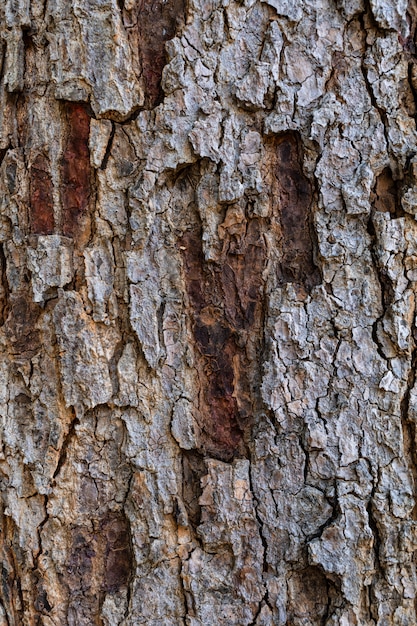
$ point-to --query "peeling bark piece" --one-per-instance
(75, 172)
(51, 264)
(157, 22)
(14, 63)
(41, 201)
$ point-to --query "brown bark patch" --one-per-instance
(309, 595)
(155, 22)
(226, 304)
(4, 287)
(11, 560)
(100, 562)
(20, 326)
(76, 172)
(41, 200)
(292, 198)
(386, 193)
(118, 552)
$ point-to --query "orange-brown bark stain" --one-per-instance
(76, 172)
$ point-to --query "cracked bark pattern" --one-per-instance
(208, 260)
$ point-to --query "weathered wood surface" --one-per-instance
(208, 272)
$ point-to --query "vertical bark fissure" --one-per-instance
(385, 289)
(108, 147)
(408, 425)
(65, 444)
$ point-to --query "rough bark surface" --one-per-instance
(208, 264)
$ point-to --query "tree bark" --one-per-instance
(208, 268)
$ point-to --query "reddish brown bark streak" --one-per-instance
(154, 22)
(76, 171)
(41, 200)
(227, 300)
(158, 21)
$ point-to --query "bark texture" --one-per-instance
(208, 267)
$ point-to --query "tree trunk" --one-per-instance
(208, 260)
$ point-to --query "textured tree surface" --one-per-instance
(208, 267)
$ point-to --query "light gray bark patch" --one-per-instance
(84, 367)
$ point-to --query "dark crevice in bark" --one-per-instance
(409, 425)
(64, 448)
(409, 47)
(411, 75)
(4, 288)
(306, 453)
(3, 153)
(333, 517)
(184, 593)
(386, 194)
(6, 617)
(193, 469)
(265, 566)
(373, 525)
(382, 113)
(387, 290)
(370, 18)
(40, 602)
(109, 147)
